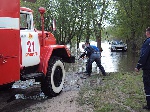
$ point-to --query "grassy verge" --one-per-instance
(118, 92)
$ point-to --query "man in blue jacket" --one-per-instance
(144, 64)
(93, 53)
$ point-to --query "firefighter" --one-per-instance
(144, 64)
(93, 54)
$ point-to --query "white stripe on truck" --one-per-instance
(9, 23)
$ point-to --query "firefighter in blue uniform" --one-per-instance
(93, 54)
(144, 64)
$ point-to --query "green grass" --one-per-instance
(118, 92)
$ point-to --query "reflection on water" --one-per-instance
(28, 89)
(111, 61)
(118, 61)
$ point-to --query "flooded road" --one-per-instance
(112, 61)
(118, 61)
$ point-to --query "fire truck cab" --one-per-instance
(27, 53)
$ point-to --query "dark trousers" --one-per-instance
(95, 57)
(146, 81)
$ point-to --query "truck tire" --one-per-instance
(52, 85)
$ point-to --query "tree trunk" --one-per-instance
(98, 40)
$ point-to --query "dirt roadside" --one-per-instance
(65, 102)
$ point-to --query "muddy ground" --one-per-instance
(29, 98)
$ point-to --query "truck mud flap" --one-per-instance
(70, 59)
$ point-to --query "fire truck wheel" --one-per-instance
(52, 85)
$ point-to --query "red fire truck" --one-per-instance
(27, 53)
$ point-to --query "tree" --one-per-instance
(131, 20)
(101, 14)
(76, 20)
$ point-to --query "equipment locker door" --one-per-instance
(9, 41)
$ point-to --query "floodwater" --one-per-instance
(118, 61)
(112, 61)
